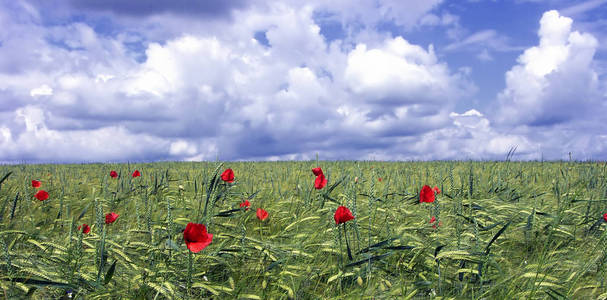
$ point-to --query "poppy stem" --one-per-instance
(101, 255)
(190, 271)
(261, 231)
(341, 249)
(347, 244)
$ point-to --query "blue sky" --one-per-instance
(84, 81)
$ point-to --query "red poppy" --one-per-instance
(114, 174)
(342, 215)
(320, 182)
(36, 183)
(379, 179)
(246, 204)
(317, 171)
(426, 194)
(432, 220)
(111, 217)
(436, 190)
(136, 173)
(605, 217)
(41, 195)
(262, 214)
(227, 175)
(196, 237)
(85, 228)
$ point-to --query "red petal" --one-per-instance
(111, 217)
(195, 232)
(228, 175)
(262, 214)
(317, 171)
(342, 215)
(426, 194)
(41, 195)
(320, 182)
(198, 246)
(436, 190)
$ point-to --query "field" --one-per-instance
(501, 230)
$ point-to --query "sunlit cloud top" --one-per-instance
(87, 81)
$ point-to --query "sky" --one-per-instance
(140, 80)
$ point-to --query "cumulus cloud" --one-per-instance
(553, 82)
(553, 95)
(70, 92)
(196, 96)
(37, 143)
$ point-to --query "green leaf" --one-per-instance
(5, 177)
(370, 259)
(497, 235)
(376, 245)
(83, 212)
(110, 273)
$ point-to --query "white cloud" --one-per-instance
(582, 7)
(398, 72)
(43, 90)
(182, 148)
(553, 95)
(554, 82)
(212, 90)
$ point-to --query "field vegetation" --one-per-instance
(494, 230)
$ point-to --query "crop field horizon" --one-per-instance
(304, 230)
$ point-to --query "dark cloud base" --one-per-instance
(208, 8)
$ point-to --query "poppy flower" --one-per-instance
(136, 173)
(320, 182)
(426, 194)
(432, 220)
(196, 237)
(36, 183)
(317, 171)
(436, 190)
(228, 175)
(342, 215)
(85, 228)
(114, 174)
(41, 195)
(379, 179)
(605, 217)
(111, 217)
(246, 204)
(262, 214)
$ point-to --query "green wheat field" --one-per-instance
(502, 230)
